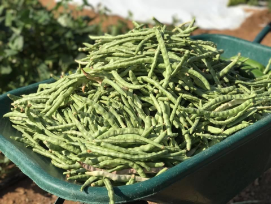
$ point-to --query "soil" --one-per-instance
(249, 29)
(26, 191)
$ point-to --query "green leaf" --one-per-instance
(19, 43)
(80, 56)
(9, 18)
(65, 20)
(2, 19)
(5, 70)
(36, 41)
(9, 52)
(85, 3)
(16, 42)
(17, 31)
(1, 9)
(43, 72)
(65, 62)
(43, 17)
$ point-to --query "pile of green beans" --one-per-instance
(138, 104)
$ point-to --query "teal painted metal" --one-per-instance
(213, 176)
(262, 34)
(232, 46)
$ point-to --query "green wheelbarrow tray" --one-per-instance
(212, 176)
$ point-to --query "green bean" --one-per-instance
(149, 147)
(131, 180)
(166, 117)
(124, 83)
(229, 120)
(48, 154)
(88, 182)
(157, 22)
(162, 171)
(229, 104)
(163, 48)
(131, 164)
(110, 190)
(213, 130)
(203, 56)
(133, 118)
(115, 86)
(144, 157)
(177, 68)
(13, 97)
(122, 64)
(79, 126)
(119, 149)
(235, 128)
(65, 126)
(56, 94)
(188, 141)
(139, 103)
(27, 142)
(265, 71)
(138, 137)
(53, 147)
(244, 89)
(121, 36)
(148, 37)
(194, 126)
(79, 177)
(100, 110)
(141, 114)
(59, 101)
(114, 177)
(212, 71)
(223, 114)
(58, 142)
(209, 136)
(29, 137)
(64, 158)
(242, 116)
(118, 117)
(121, 41)
(15, 114)
(73, 132)
(147, 131)
(156, 84)
(154, 63)
(98, 183)
(75, 171)
(224, 98)
(116, 140)
(229, 67)
(120, 131)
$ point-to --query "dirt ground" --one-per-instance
(249, 29)
(27, 192)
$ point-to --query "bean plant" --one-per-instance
(249, 2)
(138, 104)
(35, 41)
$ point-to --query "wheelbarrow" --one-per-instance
(213, 176)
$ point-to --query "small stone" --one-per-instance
(256, 182)
(21, 191)
(243, 194)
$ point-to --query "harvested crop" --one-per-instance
(138, 104)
